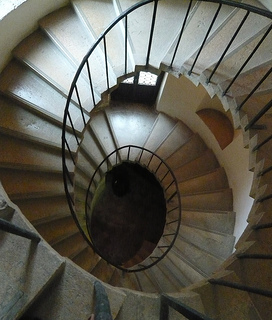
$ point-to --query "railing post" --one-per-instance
(11, 228)
(102, 306)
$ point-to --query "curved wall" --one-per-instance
(21, 21)
(181, 99)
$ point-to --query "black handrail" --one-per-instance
(147, 263)
(188, 312)
(69, 123)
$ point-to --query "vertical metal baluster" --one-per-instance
(228, 46)
(141, 154)
(128, 153)
(247, 60)
(80, 105)
(70, 152)
(181, 33)
(73, 128)
(151, 32)
(106, 62)
(206, 36)
(254, 89)
(126, 39)
(259, 115)
(91, 82)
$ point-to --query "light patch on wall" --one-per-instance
(6, 6)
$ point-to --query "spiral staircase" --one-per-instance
(54, 279)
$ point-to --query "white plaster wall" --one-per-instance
(21, 21)
(180, 98)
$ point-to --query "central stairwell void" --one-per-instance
(152, 206)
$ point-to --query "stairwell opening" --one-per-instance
(127, 215)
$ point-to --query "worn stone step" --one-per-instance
(74, 40)
(26, 86)
(189, 274)
(135, 119)
(103, 271)
(29, 154)
(52, 231)
(215, 298)
(27, 270)
(214, 200)
(86, 259)
(203, 164)
(214, 180)
(202, 14)
(230, 66)
(162, 126)
(164, 32)
(203, 262)
(16, 119)
(124, 280)
(218, 221)
(220, 40)
(219, 245)
(36, 209)
(191, 150)
(101, 128)
(25, 182)
(97, 16)
(41, 55)
(74, 285)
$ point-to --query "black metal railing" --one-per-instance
(213, 75)
(165, 177)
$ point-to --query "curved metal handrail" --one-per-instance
(148, 160)
(75, 124)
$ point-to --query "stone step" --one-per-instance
(86, 259)
(214, 200)
(18, 121)
(125, 280)
(161, 128)
(221, 222)
(219, 245)
(221, 39)
(215, 298)
(101, 128)
(191, 150)
(53, 231)
(103, 271)
(146, 283)
(42, 56)
(160, 275)
(215, 180)
(27, 86)
(165, 31)
(176, 138)
(29, 154)
(36, 209)
(229, 67)
(135, 119)
(201, 15)
(71, 246)
(97, 16)
(201, 165)
(73, 38)
(188, 298)
(189, 273)
(198, 259)
(26, 182)
(74, 285)
(27, 270)
(246, 82)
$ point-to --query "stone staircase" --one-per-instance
(34, 87)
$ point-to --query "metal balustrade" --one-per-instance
(77, 124)
(152, 162)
